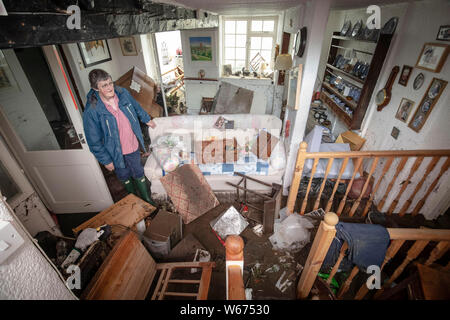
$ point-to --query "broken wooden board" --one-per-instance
(189, 191)
(185, 249)
(126, 274)
(121, 215)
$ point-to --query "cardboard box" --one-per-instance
(264, 144)
(164, 232)
(217, 151)
(143, 89)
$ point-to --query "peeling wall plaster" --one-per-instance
(27, 274)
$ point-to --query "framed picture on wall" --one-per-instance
(128, 46)
(200, 48)
(432, 56)
(94, 52)
(404, 75)
(429, 99)
(294, 87)
(443, 33)
(404, 109)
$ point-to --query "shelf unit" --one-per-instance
(377, 57)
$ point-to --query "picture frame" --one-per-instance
(94, 52)
(432, 57)
(425, 107)
(294, 87)
(201, 48)
(128, 46)
(404, 109)
(404, 75)
(443, 33)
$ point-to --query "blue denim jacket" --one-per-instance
(367, 245)
(101, 129)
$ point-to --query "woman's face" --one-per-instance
(106, 88)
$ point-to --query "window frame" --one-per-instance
(273, 34)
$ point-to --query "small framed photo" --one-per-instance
(432, 56)
(94, 52)
(404, 76)
(128, 46)
(429, 99)
(404, 109)
(444, 33)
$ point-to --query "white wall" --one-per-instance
(117, 66)
(313, 15)
(27, 274)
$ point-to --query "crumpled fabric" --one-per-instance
(87, 237)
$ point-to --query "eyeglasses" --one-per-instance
(106, 85)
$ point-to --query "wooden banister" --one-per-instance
(419, 234)
(319, 249)
(297, 177)
(234, 249)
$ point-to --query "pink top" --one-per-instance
(127, 137)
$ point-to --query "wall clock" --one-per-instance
(384, 95)
(300, 42)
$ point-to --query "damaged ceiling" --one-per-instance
(31, 23)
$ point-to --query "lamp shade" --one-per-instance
(283, 62)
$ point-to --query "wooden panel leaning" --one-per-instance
(234, 249)
(322, 241)
(299, 164)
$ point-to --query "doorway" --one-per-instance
(42, 125)
(170, 58)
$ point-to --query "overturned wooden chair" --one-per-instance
(129, 272)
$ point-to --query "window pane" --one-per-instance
(241, 27)
(240, 53)
(229, 53)
(257, 25)
(241, 41)
(268, 25)
(266, 55)
(240, 64)
(230, 40)
(230, 26)
(266, 43)
(255, 43)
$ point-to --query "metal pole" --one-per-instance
(155, 49)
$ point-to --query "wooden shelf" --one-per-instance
(353, 39)
(325, 97)
(350, 103)
(355, 78)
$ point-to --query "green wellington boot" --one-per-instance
(143, 191)
(129, 186)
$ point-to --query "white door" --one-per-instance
(42, 123)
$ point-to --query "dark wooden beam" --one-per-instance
(45, 23)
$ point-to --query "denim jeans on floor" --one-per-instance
(133, 167)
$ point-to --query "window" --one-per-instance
(246, 39)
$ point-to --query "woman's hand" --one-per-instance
(110, 166)
(151, 124)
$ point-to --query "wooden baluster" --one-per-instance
(336, 185)
(413, 170)
(342, 203)
(357, 202)
(390, 253)
(322, 241)
(413, 252)
(437, 253)
(327, 171)
(347, 283)
(400, 167)
(299, 164)
(430, 168)
(432, 186)
(313, 171)
(234, 251)
(338, 262)
(385, 169)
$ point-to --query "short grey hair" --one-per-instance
(97, 75)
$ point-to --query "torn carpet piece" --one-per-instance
(189, 191)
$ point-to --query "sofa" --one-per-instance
(195, 128)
